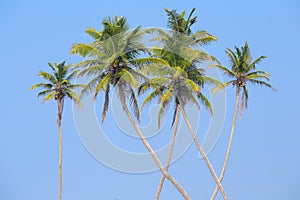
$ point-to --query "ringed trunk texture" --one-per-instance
(59, 119)
(152, 153)
(236, 108)
(170, 152)
(203, 154)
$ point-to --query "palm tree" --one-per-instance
(114, 54)
(180, 81)
(243, 71)
(58, 87)
(179, 41)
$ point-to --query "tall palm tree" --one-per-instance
(179, 42)
(243, 71)
(58, 87)
(114, 55)
(180, 81)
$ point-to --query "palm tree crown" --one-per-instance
(181, 25)
(243, 70)
(112, 57)
(175, 84)
(179, 76)
(59, 83)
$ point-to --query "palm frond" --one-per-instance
(154, 94)
(172, 19)
(93, 33)
(259, 82)
(203, 38)
(48, 77)
(72, 75)
(44, 92)
(75, 86)
(52, 67)
(205, 102)
(192, 85)
(90, 85)
(49, 96)
(190, 21)
(258, 72)
(135, 105)
(106, 102)
(87, 63)
(209, 81)
(222, 86)
(92, 70)
(84, 50)
(165, 101)
(257, 76)
(214, 59)
(128, 77)
(142, 62)
(189, 97)
(102, 85)
(244, 101)
(256, 62)
(71, 94)
(177, 106)
(41, 85)
(227, 71)
(233, 58)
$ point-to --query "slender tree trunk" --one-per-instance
(170, 152)
(152, 153)
(236, 108)
(203, 154)
(59, 118)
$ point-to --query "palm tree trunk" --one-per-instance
(59, 118)
(211, 169)
(152, 153)
(236, 107)
(170, 152)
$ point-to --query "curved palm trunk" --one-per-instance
(59, 119)
(236, 107)
(203, 154)
(170, 152)
(147, 145)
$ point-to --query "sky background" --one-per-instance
(265, 158)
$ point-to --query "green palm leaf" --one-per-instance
(94, 33)
(85, 50)
(102, 85)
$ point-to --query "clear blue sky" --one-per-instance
(265, 158)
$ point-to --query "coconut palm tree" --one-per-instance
(179, 81)
(58, 87)
(115, 54)
(243, 71)
(178, 42)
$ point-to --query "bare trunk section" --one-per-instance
(170, 152)
(236, 107)
(59, 119)
(211, 169)
(152, 153)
